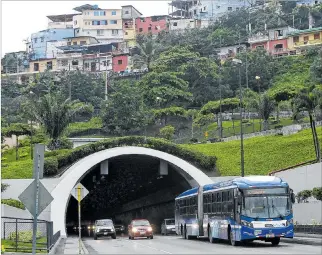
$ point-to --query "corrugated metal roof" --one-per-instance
(306, 31)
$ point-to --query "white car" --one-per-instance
(168, 227)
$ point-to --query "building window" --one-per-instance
(96, 13)
(82, 42)
(102, 13)
(106, 63)
(74, 43)
(306, 38)
(69, 43)
(75, 62)
(36, 67)
(279, 32)
(230, 8)
(42, 39)
(126, 12)
(126, 33)
(119, 62)
(317, 36)
(103, 22)
(113, 22)
(86, 65)
(49, 65)
(175, 24)
(195, 12)
(113, 12)
(149, 28)
(100, 31)
(204, 8)
(115, 32)
(140, 29)
(296, 39)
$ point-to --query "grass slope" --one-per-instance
(262, 154)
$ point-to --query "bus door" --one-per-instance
(200, 210)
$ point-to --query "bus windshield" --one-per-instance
(266, 206)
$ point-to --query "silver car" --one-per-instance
(168, 227)
(104, 228)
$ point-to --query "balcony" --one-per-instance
(60, 25)
(68, 55)
(258, 38)
(308, 43)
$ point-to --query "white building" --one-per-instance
(52, 50)
(60, 21)
(104, 24)
(230, 51)
(181, 24)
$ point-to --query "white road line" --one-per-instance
(154, 248)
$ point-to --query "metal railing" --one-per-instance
(17, 235)
(308, 229)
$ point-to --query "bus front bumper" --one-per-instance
(266, 233)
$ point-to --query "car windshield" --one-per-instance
(104, 223)
(169, 222)
(141, 223)
(266, 206)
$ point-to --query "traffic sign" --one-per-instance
(79, 192)
(27, 197)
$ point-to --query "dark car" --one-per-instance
(140, 228)
(104, 228)
(119, 227)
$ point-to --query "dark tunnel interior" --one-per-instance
(131, 189)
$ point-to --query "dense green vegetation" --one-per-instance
(13, 203)
(262, 154)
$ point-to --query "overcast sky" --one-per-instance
(22, 18)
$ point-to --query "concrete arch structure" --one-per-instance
(74, 174)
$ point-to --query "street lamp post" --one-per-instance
(259, 92)
(238, 62)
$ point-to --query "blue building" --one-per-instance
(36, 47)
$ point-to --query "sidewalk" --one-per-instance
(71, 246)
(302, 238)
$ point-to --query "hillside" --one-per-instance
(262, 154)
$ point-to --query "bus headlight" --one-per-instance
(246, 223)
(289, 222)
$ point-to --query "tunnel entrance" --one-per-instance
(133, 188)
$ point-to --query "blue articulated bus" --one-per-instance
(240, 210)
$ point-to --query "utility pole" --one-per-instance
(106, 79)
(220, 98)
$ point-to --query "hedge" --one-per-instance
(24, 236)
(13, 203)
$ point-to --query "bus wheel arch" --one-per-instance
(230, 237)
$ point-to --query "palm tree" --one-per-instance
(266, 107)
(309, 100)
(55, 113)
(147, 53)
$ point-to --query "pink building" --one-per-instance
(153, 24)
(120, 62)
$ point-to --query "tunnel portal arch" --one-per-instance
(74, 174)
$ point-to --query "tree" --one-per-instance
(147, 53)
(164, 113)
(125, 110)
(316, 68)
(17, 129)
(317, 193)
(54, 112)
(167, 132)
(162, 90)
(303, 195)
(266, 107)
(308, 100)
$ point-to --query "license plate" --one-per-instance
(142, 233)
(105, 234)
(270, 235)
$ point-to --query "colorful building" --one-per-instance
(81, 40)
(36, 45)
(104, 24)
(129, 14)
(153, 24)
(302, 39)
(41, 65)
(120, 63)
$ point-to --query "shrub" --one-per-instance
(23, 236)
(279, 126)
(13, 203)
(194, 140)
(50, 166)
(303, 195)
(167, 132)
(18, 170)
(245, 121)
(317, 193)
(4, 186)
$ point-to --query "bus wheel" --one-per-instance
(275, 241)
(211, 239)
(231, 237)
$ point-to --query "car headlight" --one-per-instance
(149, 229)
(168, 227)
(134, 229)
(246, 223)
(195, 225)
(89, 227)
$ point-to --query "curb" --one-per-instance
(84, 248)
(53, 250)
(318, 242)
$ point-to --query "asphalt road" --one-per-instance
(177, 245)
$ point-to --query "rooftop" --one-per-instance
(316, 29)
(133, 8)
(86, 7)
(84, 36)
(61, 18)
